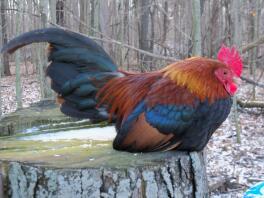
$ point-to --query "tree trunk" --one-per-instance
(46, 91)
(4, 37)
(1, 66)
(52, 11)
(237, 41)
(60, 19)
(228, 22)
(213, 32)
(254, 24)
(144, 33)
(92, 21)
(18, 61)
(165, 27)
(197, 47)
(84, 16)
(95, 17)
(104, 23)
(170, 174)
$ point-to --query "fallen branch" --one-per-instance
(218, 185)
(255, 179)
(253, 44)
(252, 82)
(251, 104)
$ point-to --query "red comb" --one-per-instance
(231, 57)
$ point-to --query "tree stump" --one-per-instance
(42, 113)
(169, 174)
(34, 166)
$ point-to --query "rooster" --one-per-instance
(175, 108)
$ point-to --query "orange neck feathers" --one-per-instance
(197, 75)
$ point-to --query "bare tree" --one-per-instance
(84, 15)
(254, 16)
(165, 26)
(144, 31)
(237, 30)
(52, 11)
(17, 58)
(4, 26)
(60, 19)
(197, 47)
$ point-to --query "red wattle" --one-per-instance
(233, 88)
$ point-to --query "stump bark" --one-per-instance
(170, 174)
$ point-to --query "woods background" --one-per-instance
(145, 35)
(140, 35)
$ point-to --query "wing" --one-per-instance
(170, 118)
(158, 122)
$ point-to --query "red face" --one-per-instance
(226, 77)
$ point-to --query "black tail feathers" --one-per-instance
(78, 68)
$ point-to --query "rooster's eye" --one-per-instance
(225, 72)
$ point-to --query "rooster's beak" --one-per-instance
(237, 80)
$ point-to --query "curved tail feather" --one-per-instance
(78, 68)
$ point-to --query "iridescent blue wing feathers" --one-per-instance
(170, 118)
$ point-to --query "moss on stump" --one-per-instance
(80, 168)
(83, 167)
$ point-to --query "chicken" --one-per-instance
(176, 108)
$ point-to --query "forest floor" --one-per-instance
(232, 167)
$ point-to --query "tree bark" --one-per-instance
(212, 30)
(197, 47)
(92, 21)
(52, 11)
(4, 37)
(165, 26)
(144, 30)
(18, 60)
(84, 16)
(228, 22)
(60, 19)
(171, 174)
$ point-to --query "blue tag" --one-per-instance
(256, 191)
